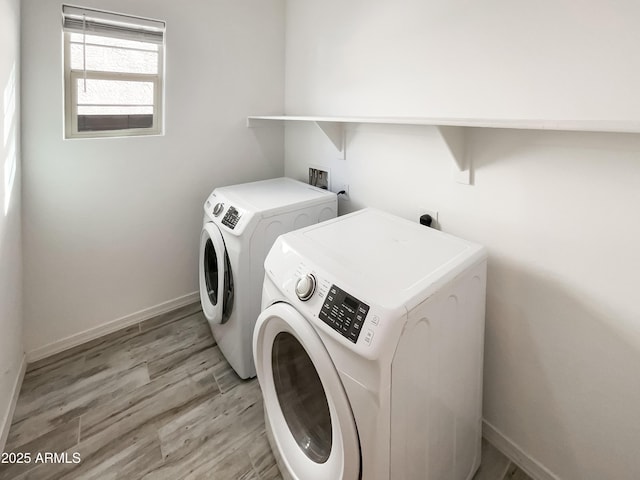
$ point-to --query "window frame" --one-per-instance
(71, 96)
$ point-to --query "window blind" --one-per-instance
(96, 22)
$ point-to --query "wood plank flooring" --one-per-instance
(153, 401)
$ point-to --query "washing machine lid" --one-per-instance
(274, 196)
(388, 259)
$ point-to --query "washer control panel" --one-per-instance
(231, 218)
(344, 313)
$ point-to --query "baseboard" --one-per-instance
(6, 421)
(531, 467)
(110, 327)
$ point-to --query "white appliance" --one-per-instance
(241, 222)
(369, 351)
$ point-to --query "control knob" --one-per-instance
(217, 210)
(305, 286)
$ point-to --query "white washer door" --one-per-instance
(212, 268)
(308, 412)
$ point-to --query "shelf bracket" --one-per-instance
(335, 132)
(455, 138)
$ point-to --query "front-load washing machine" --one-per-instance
(241, 222)
(369, 351)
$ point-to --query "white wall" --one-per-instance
(11, 348)
(112, 225)
(494, 58)
(557, 210)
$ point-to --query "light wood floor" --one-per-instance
(154, 401)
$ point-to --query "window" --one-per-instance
(113, 74)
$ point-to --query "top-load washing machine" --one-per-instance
(369, 351)
(241, 222)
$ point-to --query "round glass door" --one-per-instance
(211, 272)
(302, 398)
(216, 278)
(308, 415)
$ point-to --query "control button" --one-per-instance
(305, 287)
(217, 210)
(368, 336)
(375, 320)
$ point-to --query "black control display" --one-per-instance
(231, 218)
(343, 313)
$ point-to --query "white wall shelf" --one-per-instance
(566, 125)
(452, 130)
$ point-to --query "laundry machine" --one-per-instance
(369, 351)
(241, 222)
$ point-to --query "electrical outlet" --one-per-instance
(435, 222)
(319, 178)
(342, 187)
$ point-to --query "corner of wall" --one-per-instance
(5, 426)
(528, 464)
